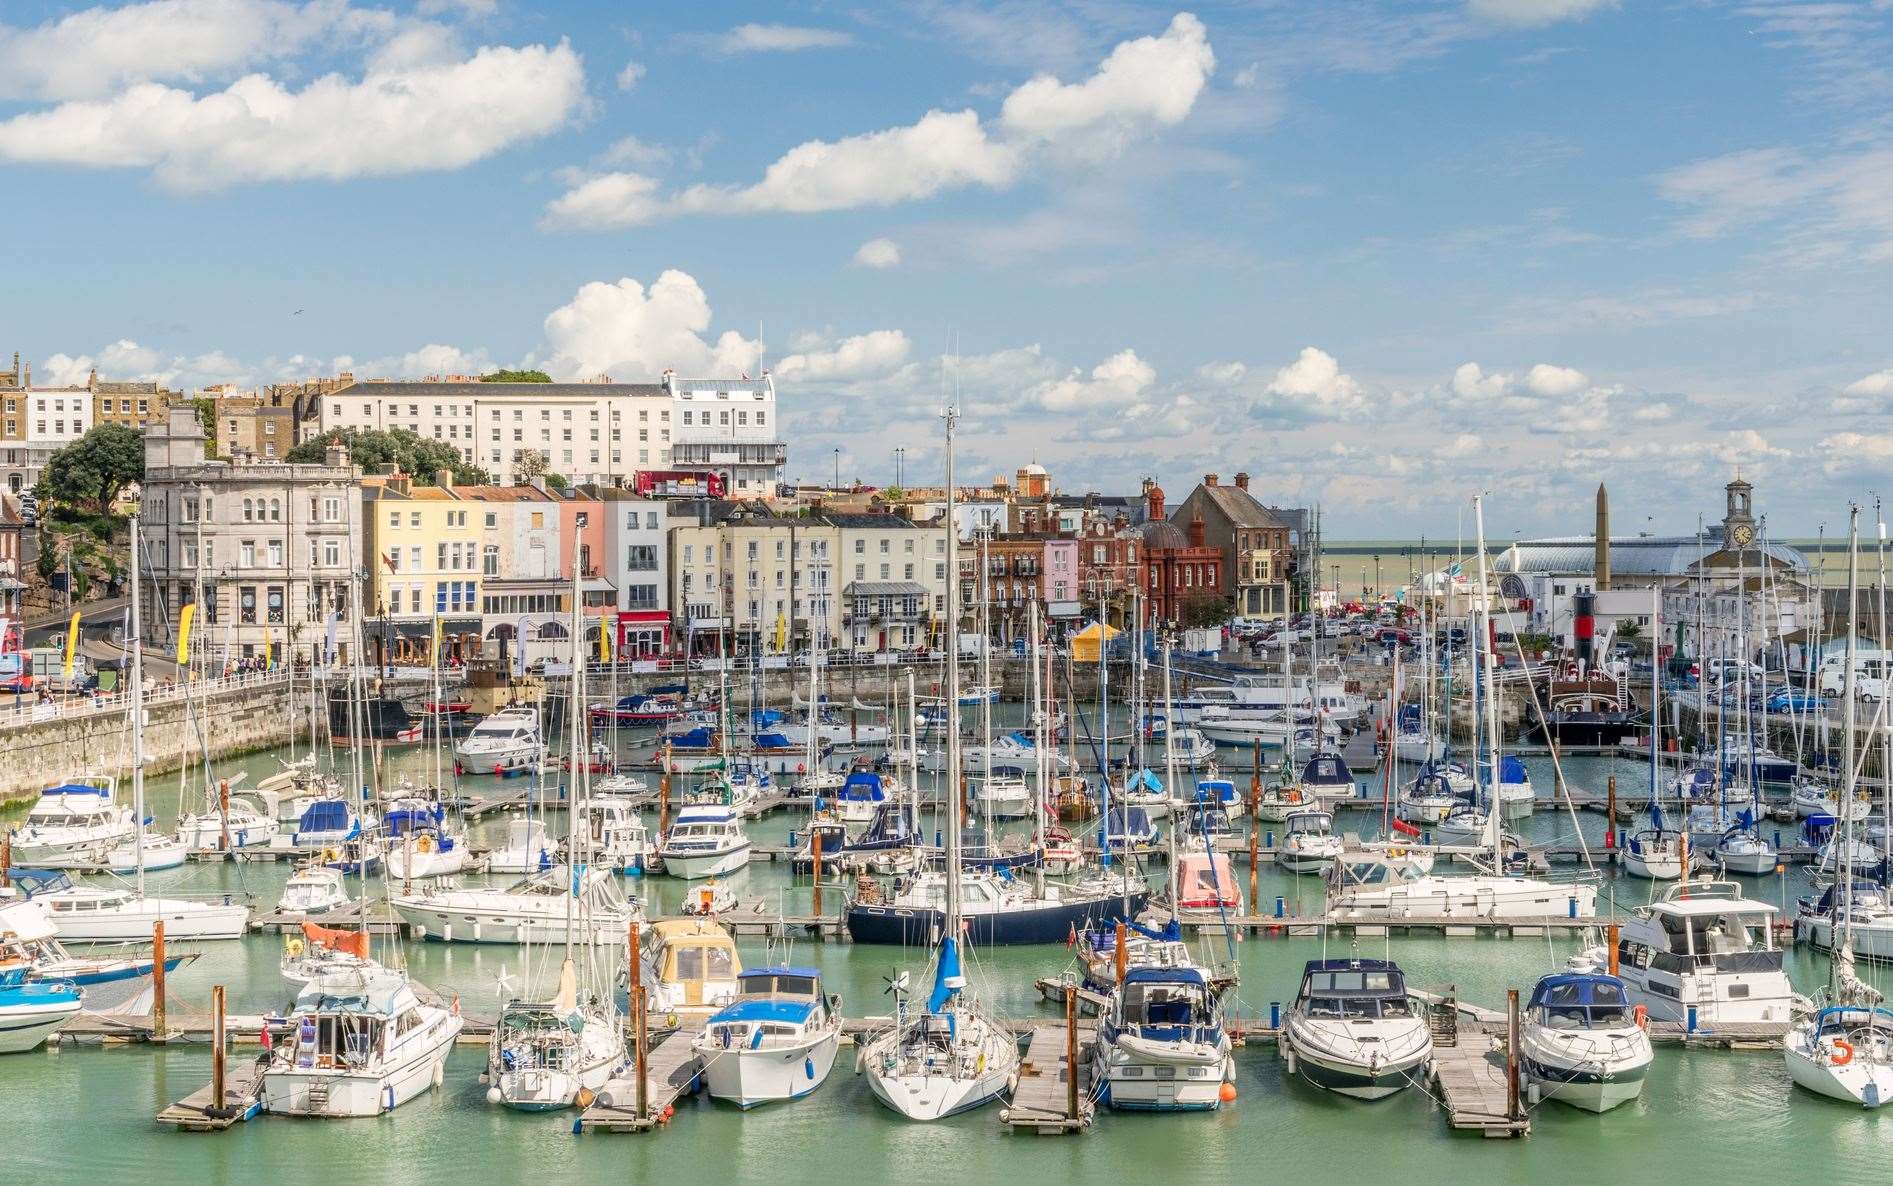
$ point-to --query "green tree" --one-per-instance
(90, 472)
(1199, 612)
(557, 481)
(207, 420)
(529, 464)
(405, 451)
(516, 377)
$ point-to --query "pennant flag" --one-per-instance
(266, 650)
(604, 641)
(782, 632)
(72, 642)
(328, 650)
(433, 645)
(184, 622)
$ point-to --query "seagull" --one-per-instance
(297, 313)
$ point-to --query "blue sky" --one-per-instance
(1381, 256)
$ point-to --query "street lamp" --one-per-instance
(837, 485)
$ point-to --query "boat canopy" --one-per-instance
(35, 882)
(1212, 876)
(1215, 790)
(863, 786)
(369, 991)
(699, 737)
(26, 922)
(1580, 988)
(78, 788)
(1433, 786)
(326, 815)
(1353, 977)
(791, 1012)
(1326, 770)
(1192, 976)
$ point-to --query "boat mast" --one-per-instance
(575, 760)
(1886, 735)
(985, 686)
(137, 716)
(1170, 778)
(952, 706)
(1039, 740)
(1843, 942)
(1488, 706)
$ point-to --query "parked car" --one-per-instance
(1794, 700)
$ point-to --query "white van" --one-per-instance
(1871, 671)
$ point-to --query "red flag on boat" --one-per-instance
(1401, 826)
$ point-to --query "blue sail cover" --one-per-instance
(1215, 790)
(1511, 770)
(947, 978)
(701, 737)
(771, 741)
(328, 815)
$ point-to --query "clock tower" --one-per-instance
(1738, 523)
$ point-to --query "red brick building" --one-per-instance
(1179, 566)
(1110, 565)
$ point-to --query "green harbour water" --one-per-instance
(78, 1114)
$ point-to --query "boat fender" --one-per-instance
(440, 1076)
(585, 1097)
(1843, 1052)
(454, 1008)
(1642, 1015)
(800, 768)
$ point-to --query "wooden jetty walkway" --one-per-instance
(671, 1072)
(1475, 1087)
(1051, 1095)
(242, 1099)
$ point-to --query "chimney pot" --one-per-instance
(1197, 531)
(444, 478)
(1209, 479)
(1242, 481)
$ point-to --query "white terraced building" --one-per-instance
(601, 433)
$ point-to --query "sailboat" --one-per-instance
(1370, 886)
(1845, 1051)
(951, 1056)
(551, 1054)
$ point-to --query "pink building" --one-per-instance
(1060, 585)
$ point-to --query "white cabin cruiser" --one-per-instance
(618, 838)
(360, 1044)
(1703, 955)
(74, 825)
(506, 742)
(530, 911)
(110, 914)
(775, 1041)
(1308, 843)
(690, 966)
(1162, 1045)
(245, 820)
(528, 848)
(1364, 885)
(705, 840)
(313, 891)
(1579, 1042)
(1354, 1030)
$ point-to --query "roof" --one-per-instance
(1234, 503)
(686, 928)
(1161, 533)
(1165, 976)
(522, 493)
(1350, 965)
(891, 522)
(1636, 555)
(883, 589)
(477, 390)
(782, 970)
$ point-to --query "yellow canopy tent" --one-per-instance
(1086, 643)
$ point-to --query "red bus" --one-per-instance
(679, 483)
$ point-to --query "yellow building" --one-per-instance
(423, 554)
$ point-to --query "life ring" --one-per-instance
(1396, 852)
(330, 856)
(800, 769)
(294, 948)
(424, 843)
(1642, 1015)
(1843, 1053)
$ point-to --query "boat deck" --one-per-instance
(670, 1073)
(1042, 1096)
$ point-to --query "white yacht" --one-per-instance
(152, 851)
(548, 1055)
(775, 1041)
(1369, 885)
(1580, 1044)
(245, 820)
(505, 742)
(528, 847)
(1844, 1052)
(1703, 954)
(616, 838)
(359, 1044)
(313, 891)
(110, 914)
(1354, 1030)
(74, 825)
(1308, 843)
(32, 1010)
(705, 840)
(1004, 795)
(419, 844)
(530, 911)
(1162, 1045)
(1657, 853)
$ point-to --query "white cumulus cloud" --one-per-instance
(630, 76)
(395, 119)
(1878, 383)
(1536, 12)
(1143, 85)
(1554, 382)
(877, 253)
(1315, 383)
(1116, 382)
(874, 353)
(627, 330)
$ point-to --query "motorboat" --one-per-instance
(32, 1010)
(1513, 786)
(289, 792)
(1354, 1030)
(861, 795)
(1206, 888)
(1015, 750)
(153, 851)
(1703, 955)
(1162, 1045)
(775, 1041)
(242, 820)
(1751, 758)
(74, 825)
(1580, 1044)
(708, 898)
(110, 914)
(1370, 885)
(1742, 850)
(312, 891)
(1003, 794)
(1868, 913)
(1308, 843)
(998, 911)
(533, 910)
(705, 840)
(620, 785)
(507, 742)
(616, 838)
(528, 847)
(1326, 775)
(113, 980)
(833, 729)
(359, 1044)
(638, 710)
(689, 967)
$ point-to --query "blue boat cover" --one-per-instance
(863, 786)
(1165, 976)
(792, 1012)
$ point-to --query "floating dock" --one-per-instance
(1043, 1098)
(671, 1072)
(242, 1099)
